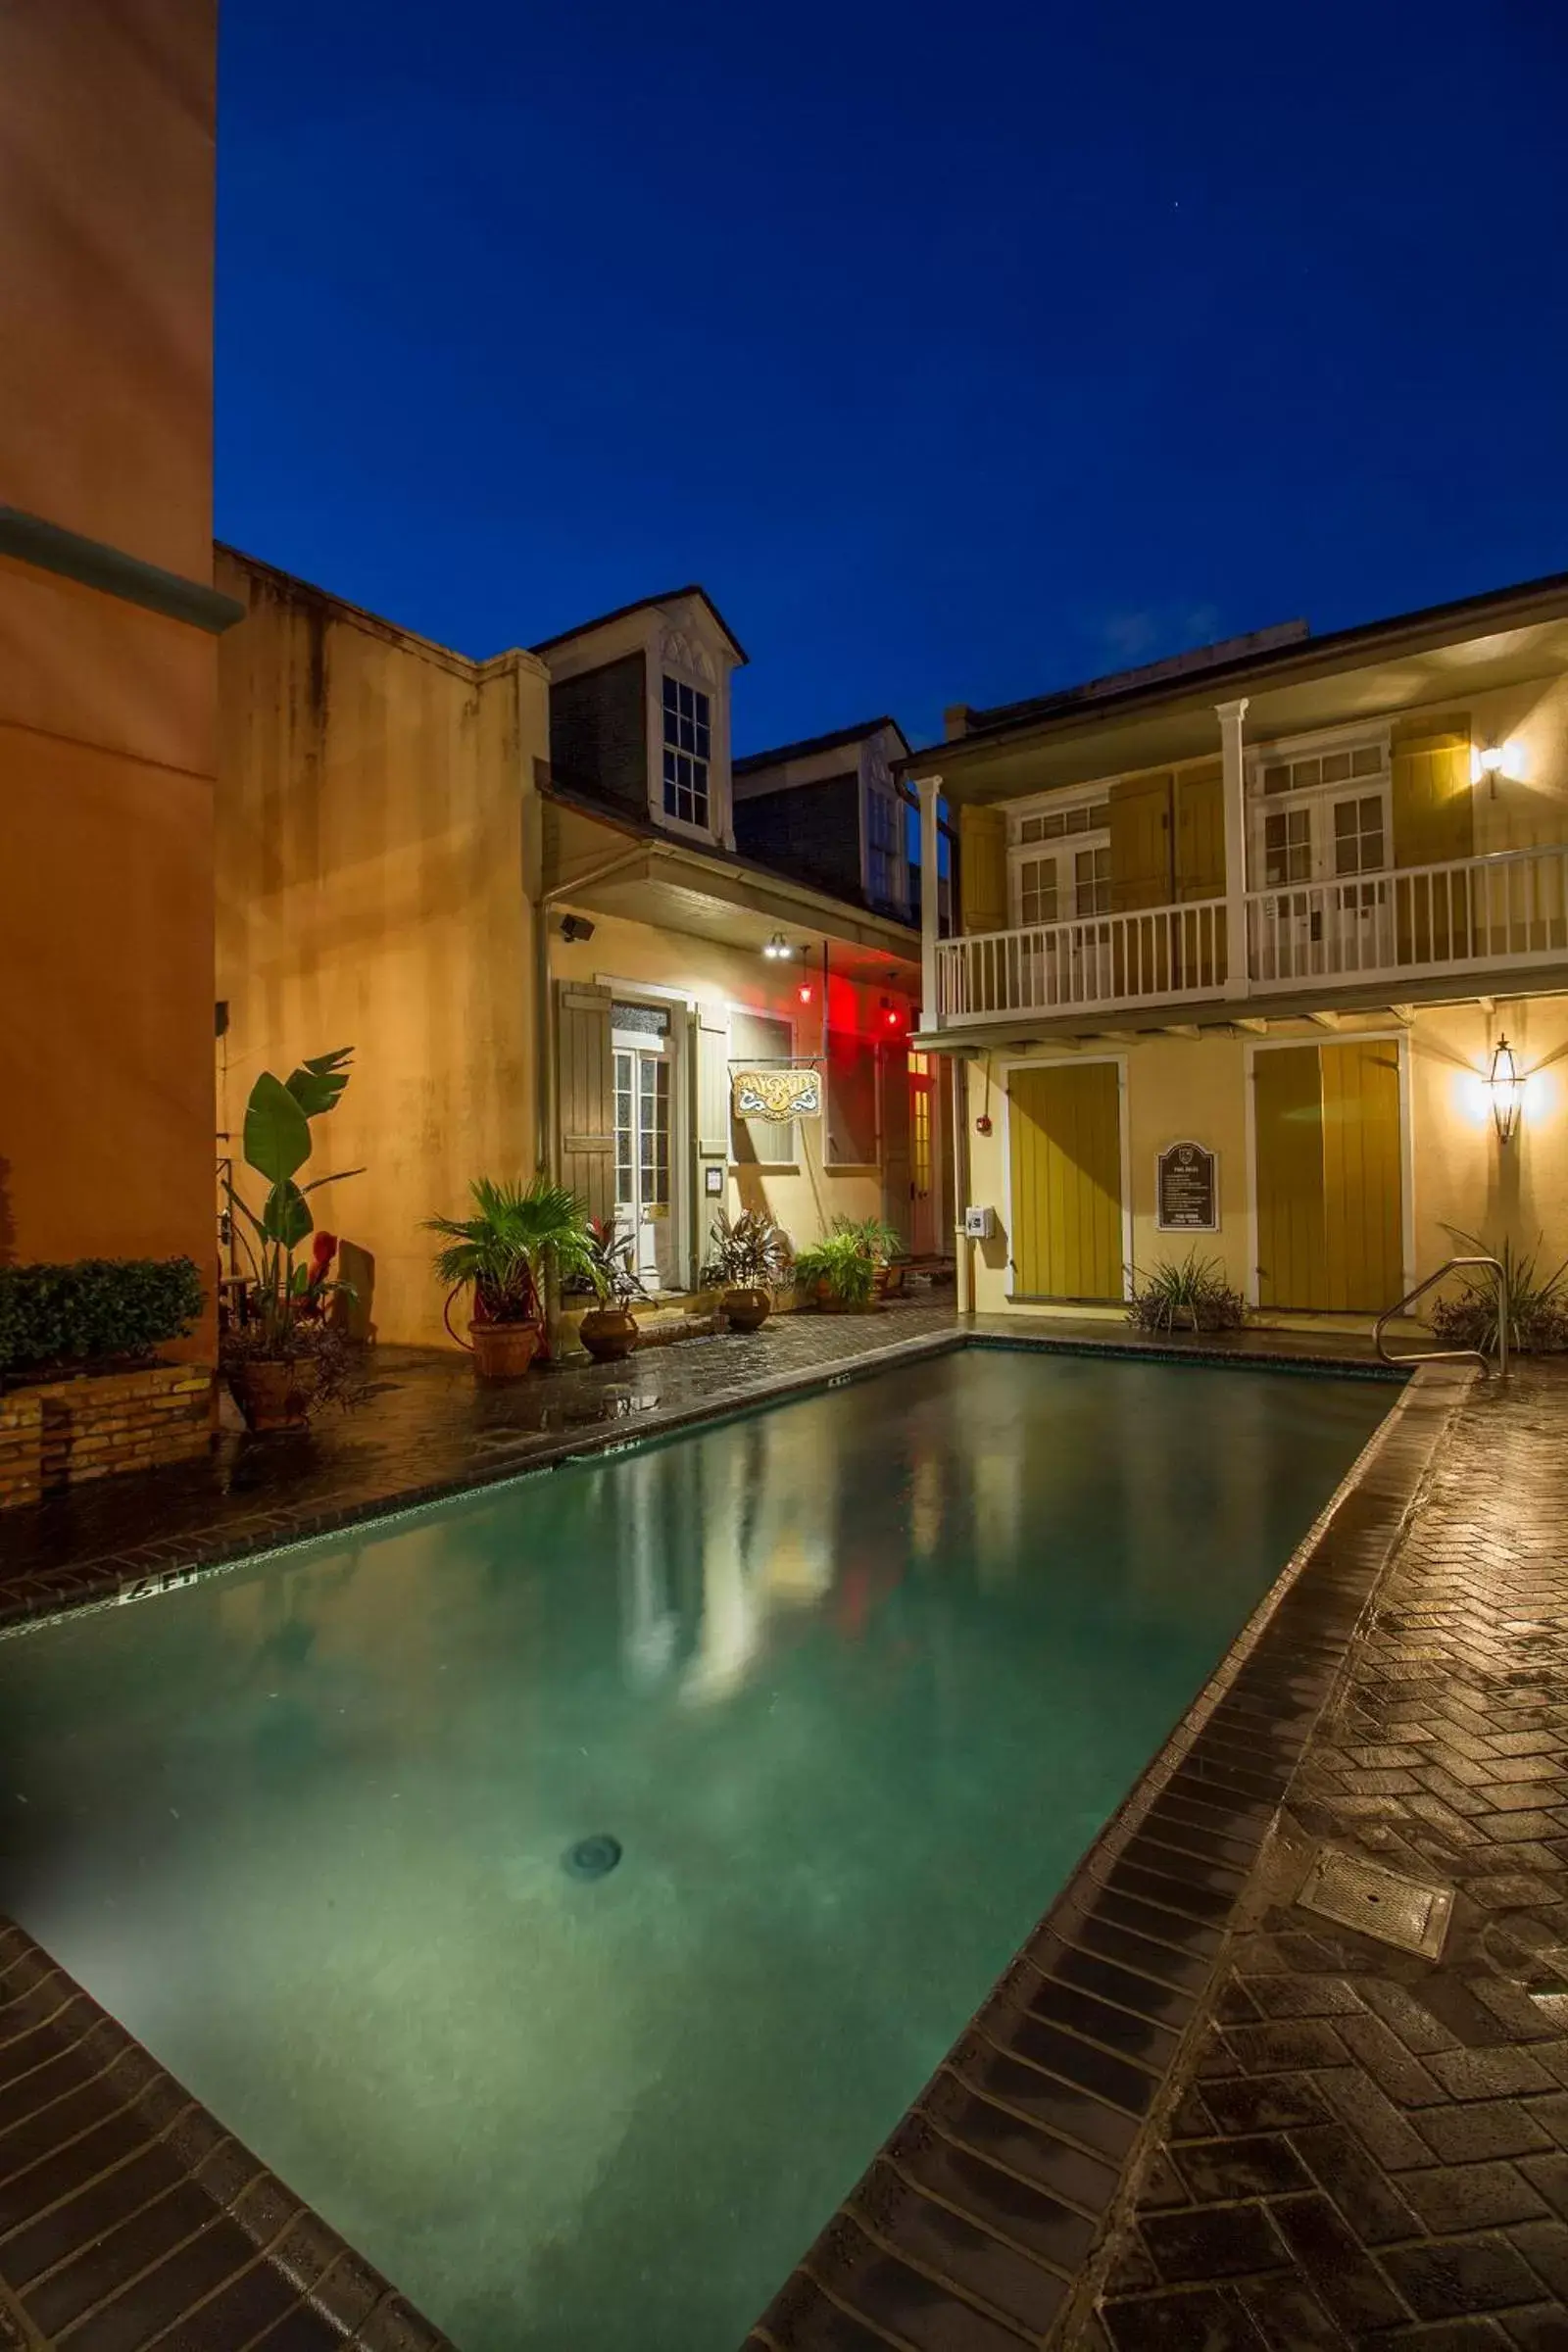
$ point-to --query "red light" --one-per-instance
(804, 992)
(893, 1019)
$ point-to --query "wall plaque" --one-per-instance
(1187, 1190)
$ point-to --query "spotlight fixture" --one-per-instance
(1506, 1090)
(575, 928)
(778, 948)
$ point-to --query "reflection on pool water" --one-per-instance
(852, 1681)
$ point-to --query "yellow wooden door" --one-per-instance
(1329, 1226)
(1288, 1115)
(1363, 1220)
(1065, 1128)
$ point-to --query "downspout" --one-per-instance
(962, 1246)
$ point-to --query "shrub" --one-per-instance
(875, 1238)
(97, 1310)
(1536, 1304)
(748, 1253)
(1189, 1292)
(841, 1262)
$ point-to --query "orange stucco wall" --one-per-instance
(106, 710)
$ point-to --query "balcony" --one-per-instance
(1476, 915)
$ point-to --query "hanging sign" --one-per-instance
(1187, 1190)
(779, 1093)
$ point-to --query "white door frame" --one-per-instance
(675, 1050)
(1399, 1038)
(1049, 1061)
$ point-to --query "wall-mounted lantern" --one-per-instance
(1507, 1089)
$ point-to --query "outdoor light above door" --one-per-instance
(1506, 1090)
(778, 946)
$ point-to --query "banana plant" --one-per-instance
(276, 1145)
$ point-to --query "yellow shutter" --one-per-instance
(1364, 1255)
(1288, 1113)
(1201, 833)
(1434, 812)
(1065, 1131)
(1140, 842)
(983, 870)
(1329, 1177)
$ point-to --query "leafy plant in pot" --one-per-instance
(280, 1353)
(840, 1273)
(609, 1331)
(503, 1253)
(880, 1244)
(1189, 1294)
(749, 1259)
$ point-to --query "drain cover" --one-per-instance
(1378, 1901)
(593, 1857)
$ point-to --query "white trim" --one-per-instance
(1052, 803)
(646, 988)
(1348, 735)
(1399, 1039)
(1072, 1061)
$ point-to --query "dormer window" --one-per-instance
(688, 739)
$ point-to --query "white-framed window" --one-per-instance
(1059, 863)
(688, 750)
(1320, 810)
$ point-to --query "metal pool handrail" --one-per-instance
(1450, 1356)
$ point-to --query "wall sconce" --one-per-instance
(1493, 760)
(777, 948)
(1506, 1090)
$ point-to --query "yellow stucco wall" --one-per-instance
(370, 893)
(1196, 1089)
(107, 711)
(803, 1202)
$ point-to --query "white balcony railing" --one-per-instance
(1473, 914)
(1154, 954)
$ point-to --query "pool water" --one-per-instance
(852, 1680)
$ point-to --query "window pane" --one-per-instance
(1053, 827)
(1336, 767)
(1368, 761)
(1276, 779)
(1347, 819)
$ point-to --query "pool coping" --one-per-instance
(280, 2245)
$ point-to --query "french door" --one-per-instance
(642, 1086)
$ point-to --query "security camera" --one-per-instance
(576, 926)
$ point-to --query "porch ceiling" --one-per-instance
(675, 889)
(1298, 696)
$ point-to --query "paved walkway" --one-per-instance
(1365, 2147)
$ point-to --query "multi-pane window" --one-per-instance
(653, 1135)
(1287, 847)
(1092, 881)
(881, 846)
(688, 740)
(1090, 816)
(1324, 767)
(1036, 891)
(1358, 835)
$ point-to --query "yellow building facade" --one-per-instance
(534, 975)
(1245, 939)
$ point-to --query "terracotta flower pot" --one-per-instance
(881, 1278)
(274, 1395)
(747, 1309)
(609, 1333)
(502, 1350)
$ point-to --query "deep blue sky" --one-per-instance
(959, 353)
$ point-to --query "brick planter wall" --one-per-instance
(102, 1424)
(21, 1444)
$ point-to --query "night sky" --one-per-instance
(960, 353)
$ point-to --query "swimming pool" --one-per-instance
(852, 1680)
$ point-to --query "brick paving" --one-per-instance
(1363, 2148)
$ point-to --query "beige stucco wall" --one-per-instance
(805, 1201)
(370, 893)
(107, 711)
(1195, 1089)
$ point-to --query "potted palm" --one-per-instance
(840, 1274)
(501, 1253)
(279, 1352)
(749, 1259)
(609, 1330)
(882, 1244)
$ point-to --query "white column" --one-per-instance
(1234, 786)
(929, 789)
